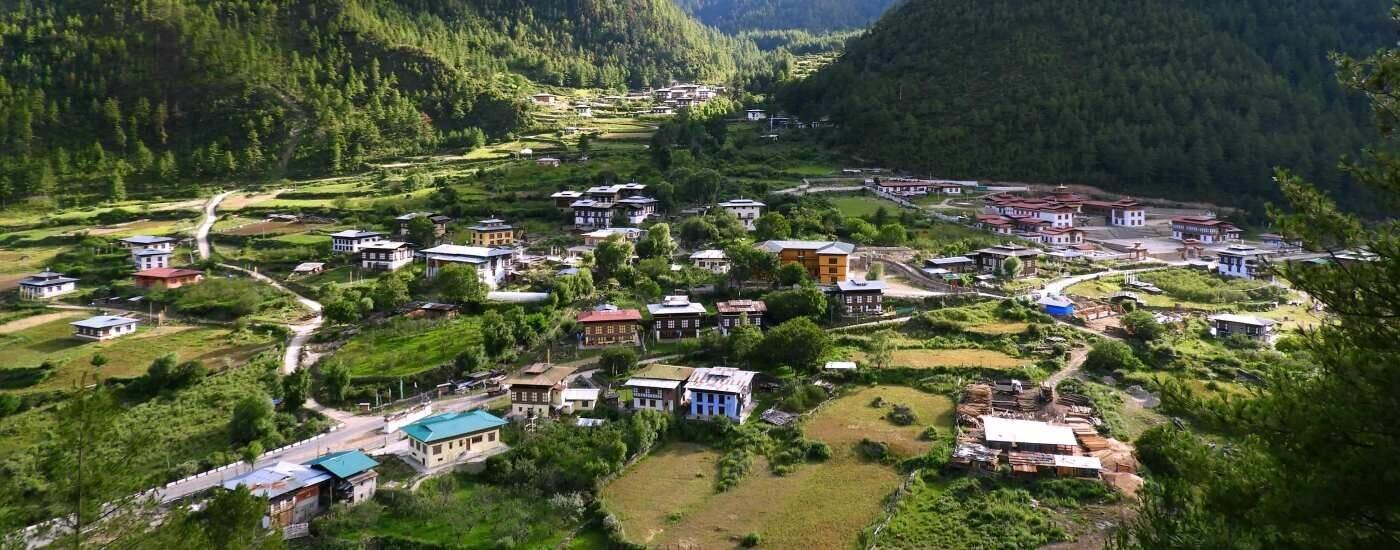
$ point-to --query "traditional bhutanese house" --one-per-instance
(492, 232)
(714, 261)
(825, 261)
(146, 241)
(615, 192)
(946, 188)
(596, 237)
(734, 313)
(562, 199)
(544, 99)
(1255, 328)
(46, 284)
(721, 391)
(659, 387)
(747, 210)
(1058, 306)
(308, 268)
(954, 264)
(492, 264)
(901, 187)
(1119, 213)
(440, 223)
(610, 327)
(676, 317)
(167, 277)
(448, 437)
(1027, 435)
(991, 260)
(1061, 236)
(581, 399)
(538, 390)
(150, 258)
(104, 327)
(350, 240)
(1203, 229)
(996, 223)
(353, 479)
(1244, 262)
(385, 255)
(295, 493)
(858, 298)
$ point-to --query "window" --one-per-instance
(437, 449)
(491, 436)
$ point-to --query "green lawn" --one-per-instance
(404, 347)
(863, 206)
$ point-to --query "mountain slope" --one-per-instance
(734, 16)
(100, 98)
(1185, 98)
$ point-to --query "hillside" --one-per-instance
(1183, 98)
(104, 98)
(734, 16)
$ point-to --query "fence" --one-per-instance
(235, 466)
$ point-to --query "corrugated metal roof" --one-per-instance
(449, 425)
(344, 464)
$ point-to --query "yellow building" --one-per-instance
(492, 233)
(448, 437)
(826, 261)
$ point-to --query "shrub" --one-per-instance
(818, 451)
(902, 416)
(929, 434)
(750, 540)
(878, 451)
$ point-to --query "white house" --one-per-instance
(492, 264)
(385, 255)
(351, 240)
(46, 284)
(150, 258)
(713, 261)
(1204, 229)
(584, 110)
(755, 115)
(1241, 261)
(581, 399)
(104, 327)
(146, 241)
(1255, 328)
(747, 210)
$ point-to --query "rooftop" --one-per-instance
(1202, 220)
(150, 252)
(710, 254)
(356, 234)
(741, 306)
(451, 424)
(540, 374)
(608, 232)
(658, 371)
(1027, 431)
(582, 394)
(720, 379)
(468, 251)
(821, 247)
(609, 315)
(951, 260)
(1243, 320)
(147, 239)
(840, 365)
(308, 266)
(104, 321)
(344, 464)
(672, 305)
(278, 479)
(46, 278)
(857, 285)
(384, 245)
(167, 273)
(737, 203)
(1010, 250)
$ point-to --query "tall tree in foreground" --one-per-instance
(1311, 457)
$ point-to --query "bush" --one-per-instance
(750, 540)
(818, 451)
(902, 416)
(878, 451)
(929, 434)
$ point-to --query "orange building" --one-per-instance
(167, 277)
(826, 261)
(492, 233)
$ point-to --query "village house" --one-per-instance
(826, 261)
(150, 258)
(308, 268)
(353, 479)
(676, 317)
(721, 391)
(581, 399)
(1054, 212)
(433, 310)
(492, 264)
(991, 260)
(954, 264)
(755, 115)
(632, 210)
(734, 313)
(385, 255)
(659, 387)
(1204, 229)
(563, 199)
(452, 436)
(297, 493)
(1119, 213)
(146, 241)
(747, 210)
(1244, 262)
(538, 390)
(492, 232)
(1058, 306)
(104, 327)
(46, 284)
(902, 187)
(714, 261)
(167, 277)
(1061, 236)
(1274, 241)
(1258, 329)
(596, 237)
(544, 99)
(583, 110)
(858, 298)
(350, 240)
(440, 223)
(1010, 434)
(609, 326)
(548, 162)
(663, 110)
(996, 223)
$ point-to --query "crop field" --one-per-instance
(266, 228)
(930, 358)
(863, 206)
(23, 350)
(404, 347)
(851, 490)
(997, 329)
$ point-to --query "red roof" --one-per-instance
(610, 316)
(1197, 220)
(168, 273)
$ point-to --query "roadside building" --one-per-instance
(150, 258)
(1204, 229)
(825, 261)
(721, 391)
(492, 232)
(167, 277)
(351, 240)
(448, 437)
(385, 255)
(747, 210)
(992, 260)
(714, 261)
(659, 387)
(137, 242)
(46, 284)
(734, 313)
(295, 493)
(953, 264)
(1244, 262)
(581, 399)
(353, 479)
(104, 327)
(676, 317)
(1258, 329)
(538, 390)
(859, 298)
(610, 326)
(439, 221)
(492, 264)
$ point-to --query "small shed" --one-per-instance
(1058, 306)
(840, 366)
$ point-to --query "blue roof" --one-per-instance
(343, 464)
(450, 425)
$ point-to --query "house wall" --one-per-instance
(504, 237)
(666, 327)
(610, 333)
(534, 401)
(825, 268)
(450, 450)
(705, 404)
(151, 262)
(861, 304)
(728, 321)
(49, 291)
(657, 399)
(386, 260)
(103, 333)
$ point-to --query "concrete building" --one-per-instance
(609, 326)
(676, 317)
(714, 261)
(734, 313)
(659, 387)
(859, 298)
(385, 255)
(46, 284)
(492, 264)
(492, 232)
(747, 210)
(146, 241)
(449, 437)
(1204, 230)
(538, 390)
(825, 261)
(1119, 213)
(1244, 262)
(351, 240)
(1258, 329)
(104, 327)
(581, 399)
(353, 479)
(167, 277)
(150, 258)
(721, 391)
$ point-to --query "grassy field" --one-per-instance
(997, 329)
(958, 357)
(863, 206)
(127, 357)
(403, 346)
(850, 490)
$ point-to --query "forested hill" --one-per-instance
(1183, 98)
(734, 16)
(101, 98)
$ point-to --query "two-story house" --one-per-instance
(385, 255)
(1244, 262)
(721, 391)
(747, 210)
(676, 317)
(46, 284)
(150, 258)
(351, 240)
(993, 259)
(825, 261)
(859, 298)
(1259, 329)
(492, 264)
(609, 326)
(1204, 229)
(451, 436)
(439, 221)
(714, 261)
(659, 387)
(734, 313)
(537, 391)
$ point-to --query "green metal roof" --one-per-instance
(343, 464)
(450, 425)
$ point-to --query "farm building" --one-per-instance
(104, 327)
(46, 284)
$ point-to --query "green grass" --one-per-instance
(404, 347)
(863, 206)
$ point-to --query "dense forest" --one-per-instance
(1183, 98)
(734, 16)
(104, 98)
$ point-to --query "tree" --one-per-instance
(295, 387)
(805, 302)
(743, 340)
(422, 231)
(771, 226)
(747, 263)
(342, 311)
(252, 420)
(876, 271)
(612, 255)
(460, 284)
(232, 520)
(97, 360)
(391, 292)
(696, 231)
(1112, 355)
(161, 373)
(497, 335)
(116, 187)
(1011, 267)
(892, 234)
(1143, 325)
(617, 361)
(657, 243)
(791, 274)
(798, 343)
(880, 349)
(335, 382)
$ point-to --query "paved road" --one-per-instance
(201, 235)
(1058, 286)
